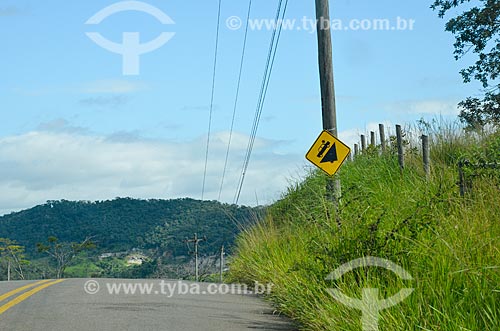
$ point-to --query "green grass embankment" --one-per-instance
(449, 244)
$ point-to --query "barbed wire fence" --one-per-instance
(399, 144)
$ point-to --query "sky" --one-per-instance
(77, 126)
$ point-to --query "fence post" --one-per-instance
(356, 150)
(425, 154)
(399, 136)
(372, 139)
(381, 129)
(461, 178)
(363, 143)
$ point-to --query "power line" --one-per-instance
(236, 98)
(273, 48)
(211, 101)
(257, 117)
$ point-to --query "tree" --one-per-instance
(478, 30)
(13, 255)
(63, 253)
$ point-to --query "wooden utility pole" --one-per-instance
(196, 242)
(328, 106)
(326, 67)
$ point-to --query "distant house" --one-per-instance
(106, 256)
(136, 259)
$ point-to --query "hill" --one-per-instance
(124, 223)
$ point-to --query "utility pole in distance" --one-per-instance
(328, 106)
(196, 242)
(222, 263)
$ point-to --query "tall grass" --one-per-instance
(449, 244)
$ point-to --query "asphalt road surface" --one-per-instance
(111, 304)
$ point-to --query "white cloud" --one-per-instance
(411, 131)
(353, 136)
(106, 86)
(11, 11)
(60, 125)
(117, 86)
(425, 107)
(74, 165)
(113, 101)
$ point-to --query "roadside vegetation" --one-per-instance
(450, 244)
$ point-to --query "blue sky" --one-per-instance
(74, 127)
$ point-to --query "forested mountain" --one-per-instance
(125, 223)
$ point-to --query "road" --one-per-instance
(87, 305)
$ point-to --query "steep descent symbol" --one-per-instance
(328, 153)
(331, 156)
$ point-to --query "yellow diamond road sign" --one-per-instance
(328, 153)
